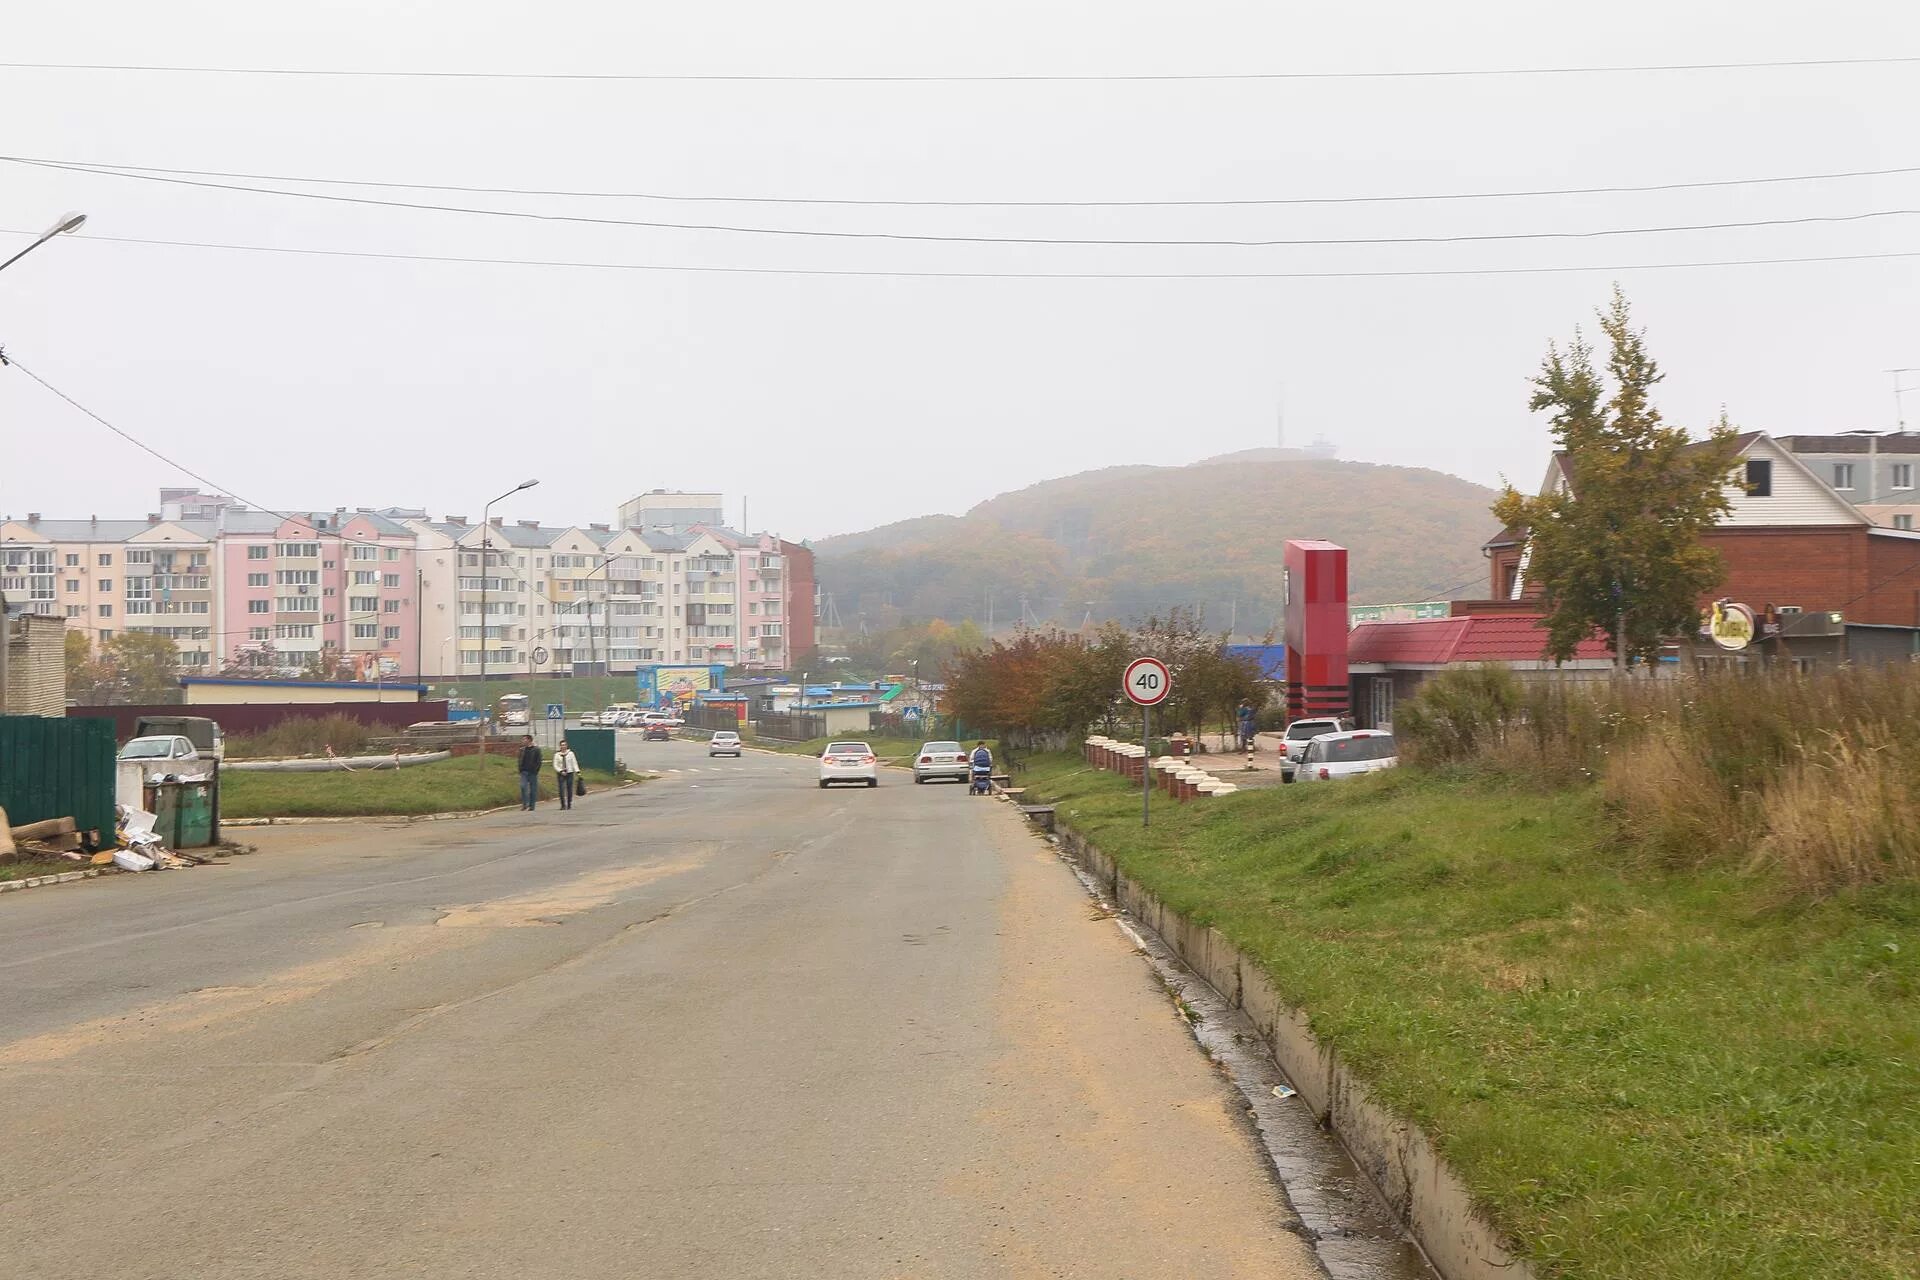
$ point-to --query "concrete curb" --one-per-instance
(58, 877)
(1412, 1178)
(396, 817)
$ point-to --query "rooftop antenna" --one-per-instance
(1899, 393)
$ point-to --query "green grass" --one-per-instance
(31, 867)
(1642, 1074)
(445, 786)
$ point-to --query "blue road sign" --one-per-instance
(556, 711)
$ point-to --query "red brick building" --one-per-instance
(1789, 543)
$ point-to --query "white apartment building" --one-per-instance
(108, 576)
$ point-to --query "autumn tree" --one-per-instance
(1616, 549)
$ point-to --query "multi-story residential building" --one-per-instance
(295, 585)
(108, 576)
(1875, 471)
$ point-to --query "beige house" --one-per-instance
(104, 577)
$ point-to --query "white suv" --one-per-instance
(1347, 755)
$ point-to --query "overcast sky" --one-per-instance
(836, 403)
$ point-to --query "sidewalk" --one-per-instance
(1223, 761)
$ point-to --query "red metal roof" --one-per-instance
(1487, 637)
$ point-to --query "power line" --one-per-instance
(1041, 78)
(1230, 202)
(983, 275)
(814, 233)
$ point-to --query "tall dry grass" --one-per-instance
(304, 736)
(1817, 776)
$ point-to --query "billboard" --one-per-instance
(1359, 613)
(664, 686)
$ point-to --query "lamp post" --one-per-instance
(486, 557)
(68, 222)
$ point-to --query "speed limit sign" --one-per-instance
(1147, 682)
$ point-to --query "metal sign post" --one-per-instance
(1147, 684)
(556, 724)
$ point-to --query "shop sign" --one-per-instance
(1730, 626)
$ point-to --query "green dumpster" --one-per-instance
(194, 816)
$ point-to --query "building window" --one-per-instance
(259, 633)
(365, 578)
(1903, 522)
(75, 610)
(259, 553)
(300, 550)
(393, 633)
(106, 611)
(139, 557)
(73, 584)
(365, 631)
(106, 560)
(105, 584)
(1843, 475)
(1759, 478)
(290, 578)
(363, 604)
(392, 606)
(105, 634)
(73, 559)
(259, 606)
(360, 552)
(258, 579)
(393, 553)
(1903, 475)
(391, 581)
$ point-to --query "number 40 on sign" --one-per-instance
(1147, 682)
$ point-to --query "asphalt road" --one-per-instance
(722, 1024)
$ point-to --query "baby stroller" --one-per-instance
(980, 780)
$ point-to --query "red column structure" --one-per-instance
(1316, 628)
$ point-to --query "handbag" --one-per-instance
(579, 784)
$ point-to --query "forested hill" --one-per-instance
(1128, 541)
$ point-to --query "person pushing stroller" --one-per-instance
(980, 783)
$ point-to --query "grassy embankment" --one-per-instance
(444, 786)
(1642, 1070)
(28, 868)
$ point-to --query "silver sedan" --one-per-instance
(940, 760)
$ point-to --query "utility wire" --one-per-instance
(1239, 202)
(1043, 78)
(814, 233)
(983, 275)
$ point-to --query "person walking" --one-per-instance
(566, 767)
(1245, 716)
(529, 772)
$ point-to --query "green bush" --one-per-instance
(304, 736)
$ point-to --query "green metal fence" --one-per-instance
(594, 747)
(57, 769)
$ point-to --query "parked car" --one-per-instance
(159, 746)
(204, 734)
(1298, 734)
(940, 760)
(657, 733)
(619, 715)
(724, 743)
(1347, 755)
(667, 718)
(849, 762)
(589, 719)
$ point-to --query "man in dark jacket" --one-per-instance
(529, 772)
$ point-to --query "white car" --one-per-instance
(941, 760)
(724, 743)
(1347, 755)
(667, 718)
(1294, 741)
(849, 762)
(159, 746)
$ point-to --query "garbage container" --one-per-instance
(193, 813)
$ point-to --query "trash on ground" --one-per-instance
(1284, 1091)
(128, 860)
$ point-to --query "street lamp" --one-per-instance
(68, 222)
(486, 556)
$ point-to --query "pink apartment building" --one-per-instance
(293, 585)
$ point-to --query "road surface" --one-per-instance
(722, 1024)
